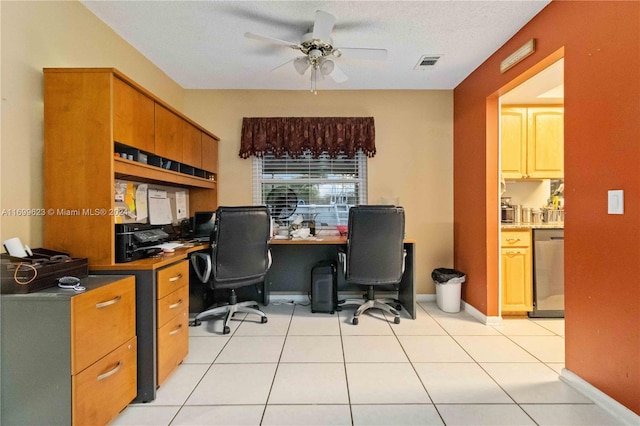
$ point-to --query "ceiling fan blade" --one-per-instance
(283, 64)
(338, 75)
(273, 40)
(363, 53)
(323, 25)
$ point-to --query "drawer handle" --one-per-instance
(108, 302)
(177, 329)
(110, 373)
(513, 240)
(176, 278)
(175, 305)
(511, 252)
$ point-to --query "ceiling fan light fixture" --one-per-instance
(301, 64)
(326, 67)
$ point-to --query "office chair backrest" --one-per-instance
(375, 252)
(240, 244)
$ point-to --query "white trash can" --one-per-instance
(448, 293)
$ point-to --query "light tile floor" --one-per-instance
(319, 369)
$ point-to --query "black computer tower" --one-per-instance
(324, 287)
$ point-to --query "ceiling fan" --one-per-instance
(319, 52)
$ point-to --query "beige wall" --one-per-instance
(414, 134)
(38, 35)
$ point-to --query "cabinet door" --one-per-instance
(191, 145)
(168, 142)
(209, 153)
(133, 120)
(513, 142)
(517, 293)
(545, 142)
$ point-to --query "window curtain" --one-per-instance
(295, 135)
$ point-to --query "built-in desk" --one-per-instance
(293, 260)
(161, 314)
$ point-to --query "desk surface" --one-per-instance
(324, 239)
(151, 263)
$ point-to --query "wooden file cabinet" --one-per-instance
(72, 354)
(173, 317)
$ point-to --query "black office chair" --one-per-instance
(239, 257)
(374, 255)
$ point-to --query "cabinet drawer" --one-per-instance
(101, 391)
(101, 320)
(173, 344)
(172, 277)
(515, 239)
(170, 305)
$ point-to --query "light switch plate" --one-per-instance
(615, 204)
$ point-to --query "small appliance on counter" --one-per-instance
(135, 240)
(507, 210)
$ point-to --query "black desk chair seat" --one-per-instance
(374, 256)
(239, 257)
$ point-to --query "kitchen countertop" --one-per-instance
(556, 225)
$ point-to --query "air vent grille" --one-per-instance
(427, 62)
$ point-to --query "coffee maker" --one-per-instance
(507, 212)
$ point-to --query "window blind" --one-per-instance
(321, 188)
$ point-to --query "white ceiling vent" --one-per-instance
(427, 62)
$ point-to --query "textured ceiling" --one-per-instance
(201, 44)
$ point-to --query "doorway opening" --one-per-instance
(531, 193)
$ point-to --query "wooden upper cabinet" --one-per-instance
(532, 142)
(545, 142)
(133, 117)
(209, 153)
(191, 145)
(168, 127)
(513, 153)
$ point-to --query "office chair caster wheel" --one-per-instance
(396, 320)
(354, 321)
(263, 320)
(256, 307)
(398, 307)
(226, 330)
(332, 312)
(313, 312)
(195, 323)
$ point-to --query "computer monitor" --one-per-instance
(203, 224)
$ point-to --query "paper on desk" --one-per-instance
(159, 207)
(141, 202)
(181, 205)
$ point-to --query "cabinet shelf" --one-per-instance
(125, 169)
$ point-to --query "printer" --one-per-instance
(137, 240)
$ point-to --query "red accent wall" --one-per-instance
(600, 42)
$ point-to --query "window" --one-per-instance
(317, 188)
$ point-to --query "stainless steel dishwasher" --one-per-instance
(548, 273)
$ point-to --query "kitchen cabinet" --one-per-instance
(69, 357)
(532, 142)
(516, 290)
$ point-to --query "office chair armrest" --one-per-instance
(342, 259)
(404, 256)
(196, 260)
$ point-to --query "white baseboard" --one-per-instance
(425, 298)
(601, 399)
(480, 316)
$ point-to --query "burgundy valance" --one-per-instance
(295, 135)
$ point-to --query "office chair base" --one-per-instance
(381, 304)
(230, 310)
